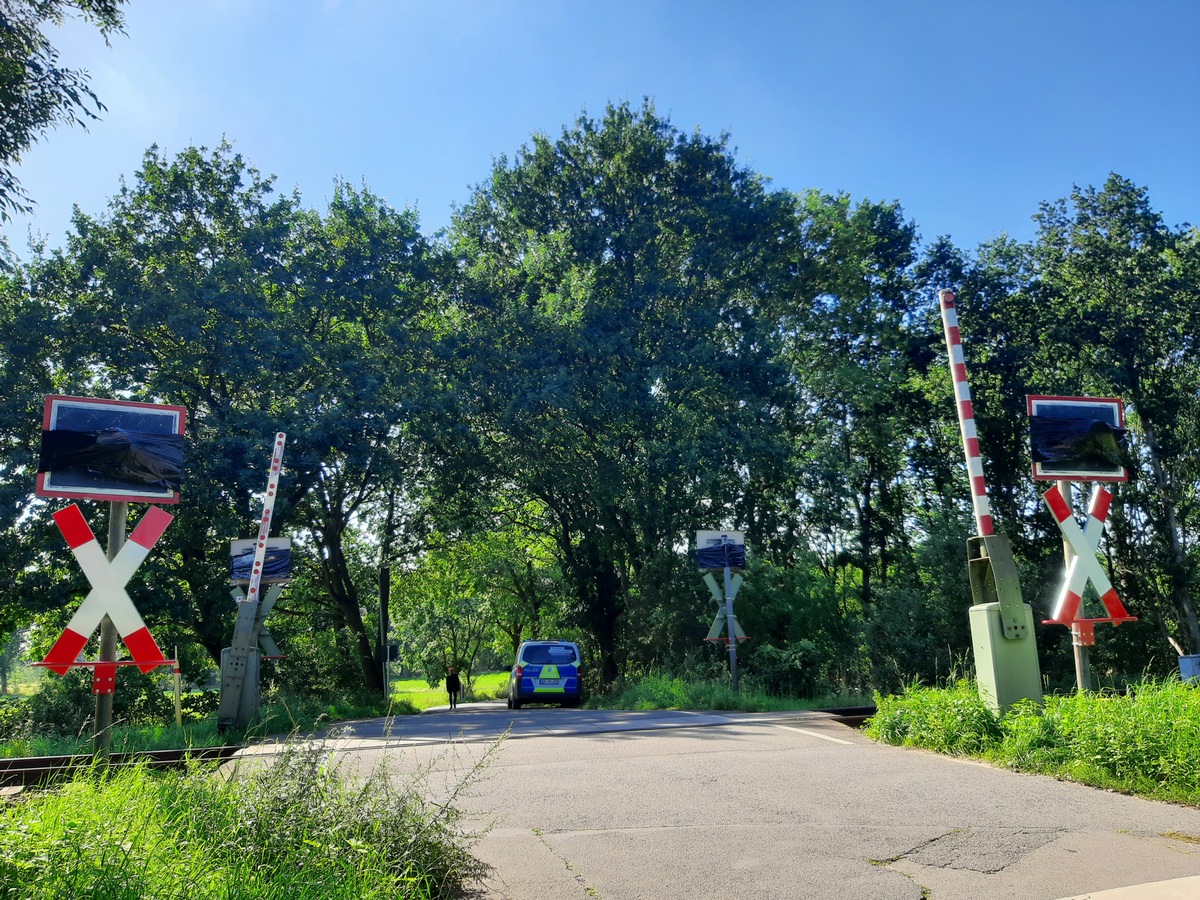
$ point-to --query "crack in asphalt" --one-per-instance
(570, 866)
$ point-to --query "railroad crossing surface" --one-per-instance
(658, 805)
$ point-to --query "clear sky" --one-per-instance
(966, 111)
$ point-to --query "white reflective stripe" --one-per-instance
(108, 580)
(128, 558)
(1084, 565)
(815, 734)
(99, 601)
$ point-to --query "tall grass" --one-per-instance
(296, 827)
(1145, 742)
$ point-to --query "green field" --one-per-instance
(489, 686)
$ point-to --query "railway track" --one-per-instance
(854, 716)
(28, 771)
(44, 770)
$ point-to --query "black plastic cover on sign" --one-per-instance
(721, 555)
(1084, 444)
(277, 565)
(136, 457)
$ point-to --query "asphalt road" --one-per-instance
(600, 805)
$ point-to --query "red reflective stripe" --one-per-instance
(986, 526)
(954, 334)
(1069, 610)
(979, 486)
(1113, 604)
(973, 447)
(143, 648)
(65, 651)
(1058, 506)
(74, 526)
(960, 372)
(966, 410)
(150, 529)
(1103, 501)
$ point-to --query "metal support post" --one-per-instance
(731, 625)
(385, 593)
(118, 511)
(1083, 663)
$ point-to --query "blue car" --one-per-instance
(545, 672)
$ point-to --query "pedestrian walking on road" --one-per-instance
(453, 686)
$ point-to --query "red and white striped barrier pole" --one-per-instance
(264, 528)
(966, 415)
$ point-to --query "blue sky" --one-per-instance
(969, 113)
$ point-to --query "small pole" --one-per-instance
(730, 621)
(385, 592)
(118, 512)
(178, 692)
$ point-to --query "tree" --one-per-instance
(445, 616)
(1124, 293)
(853, 354)
(201, 289)
(177, 295)
(36, 93)
(614, 363)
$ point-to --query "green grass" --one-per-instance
(124, 740)
(294, 827)
(670, 692)
(1145, 742)
(418, 693)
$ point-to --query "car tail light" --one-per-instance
(520, 671)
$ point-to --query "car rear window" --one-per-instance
(543, 654)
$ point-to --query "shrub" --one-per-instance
(952, 720)
(788, 671)
(14, 719)
(65, 705)
(295, 826)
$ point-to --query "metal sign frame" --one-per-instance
(65, 411)
(1107, 409)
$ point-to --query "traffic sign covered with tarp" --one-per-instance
(115, 450)
(1077, 438)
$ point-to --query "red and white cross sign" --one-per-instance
(107, 596)
(1084, 565)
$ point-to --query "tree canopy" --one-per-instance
(625, 336)
(36, 91)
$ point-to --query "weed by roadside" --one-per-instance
(670, 692)
(1145, 741)
(295, 826)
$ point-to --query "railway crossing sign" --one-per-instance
(108, 595)
(721, 620)
(1084, 566)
